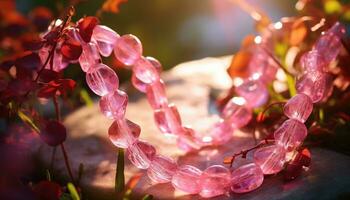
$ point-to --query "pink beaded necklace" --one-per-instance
(216, 180)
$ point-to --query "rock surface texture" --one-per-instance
(190, 86)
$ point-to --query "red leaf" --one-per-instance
(53, 133)
(41, 18)
(86, 25)
(47, 92)
(48, 75)
(47, 190)
(71, 49)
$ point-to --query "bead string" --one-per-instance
(312, 87)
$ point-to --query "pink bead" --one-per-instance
(187, 179)
(113, 105)
(187, 140)
(215, 180)
(168, 120)
(102, 80)
(328, 87)
(161, 169)
(270, 159)
(290, 134)
(254, 92)
(58, 62)
(128, 49)
(105, 38)
(262, 66)
(123, 133)
(89, 57)
(298, 107)
(329, 46)
(237, 115)
(141, 154)
(139, 85)
(156, 64)
(221, 132)
(156, 95)
(246, 178)
(145, 71)
(313, 85)
(313, 61)
(337, 29)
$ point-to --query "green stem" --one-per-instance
(119, 177)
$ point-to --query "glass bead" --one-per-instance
(270, 159)
(128, 49)
(187, 179)
(145, 71)
(123, 133)
(105, 38)
(161, 169)
(246, 178)
(237, 115)
(113, 105)
(254, 92)
(313, 85)
(141, 154)
(89, 57)
(168, 120)
(102, 80)
(214, 180)
(156, 95)
(298, 107)
(290, 134)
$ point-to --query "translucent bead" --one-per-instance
(128, 49)
(58, 62)
(313, 61)
(187, 179)
(290, 134)
(337, 29)
(270, 159)
(328, 87)
(168, 120)
(215, 181)
(313, 85)
(145, 71)
(254, 92)
(187, 140)
(123, 133)
(141, 154)
(89, 57)
(246, 178)
(238, 115)
(261, 66)
(139, 85)
(102, 80)
(105, 38)
(298, 107)
(161, 169)
(156, 64)
(113, 105)
(156, 95)
(221, 132)
(329, 46)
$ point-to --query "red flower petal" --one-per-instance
(86, 25)
(71, 49)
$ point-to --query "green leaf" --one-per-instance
(65, 196)
(291, 85)
(26, 119)
(120, 177)
(73, 191)
(86, 97)
(147, 197)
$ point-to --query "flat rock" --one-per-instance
(189, 86)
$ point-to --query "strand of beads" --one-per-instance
(236, 114)
(312, 87)
(215, 180)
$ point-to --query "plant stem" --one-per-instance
(67, 162)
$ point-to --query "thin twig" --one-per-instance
(66, 161)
